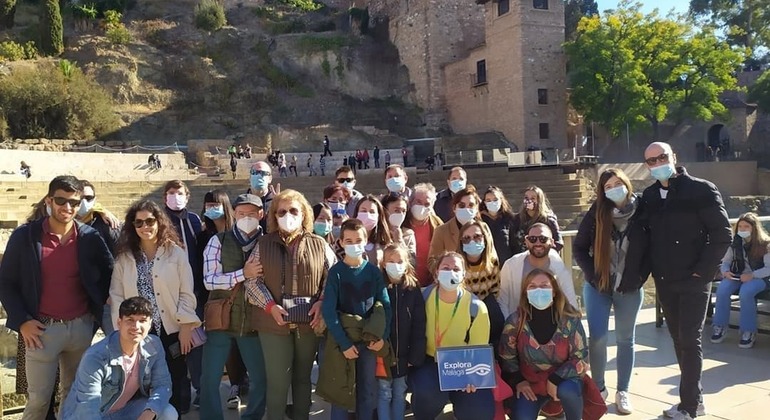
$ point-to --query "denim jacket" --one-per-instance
(100, 378)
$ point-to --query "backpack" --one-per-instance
(474, 309)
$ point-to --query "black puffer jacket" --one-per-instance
(637, 264)
(407, 333)
(689, 230)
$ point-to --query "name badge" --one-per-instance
(459, 367)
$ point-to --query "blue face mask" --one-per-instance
(354, 251)
(258, 182)
(395, 270)
(473, 248)
(745, 234)
(663, 172)
(349, 185)
(395, 184)
(322, 228)
(617, 194)
(456, 185)
(214, 213)
(540, 298)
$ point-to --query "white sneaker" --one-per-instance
(747, 340)
(671, 412)
(233, 400)
(623, 403)
(605, 394)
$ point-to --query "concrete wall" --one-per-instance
(92, 166)
(732, 178)
(523, 53)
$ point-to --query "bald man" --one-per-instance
(689, 234)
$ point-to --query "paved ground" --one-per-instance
(736, 382)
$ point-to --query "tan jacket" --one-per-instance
(445, 238)
(172, 281)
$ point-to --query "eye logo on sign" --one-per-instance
(481, 369)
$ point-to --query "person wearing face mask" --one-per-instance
(407, 330)
(345, 177)
(454, 317)
(357, 309)
(689, 233)
(447, 236)
(286, 299)
(396, 180)
(323, 222)
(423, 221)
(534, 209)
(745, 270)
(498, 215)
(543, 352)
(540, 254)
(260, 180)
(396, 209)
(457, 180)
(92, 213)
(482, 276)
(337, 197)
(372, 216)
(611, 250)
(226, 267)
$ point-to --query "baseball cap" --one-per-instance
(247, 199)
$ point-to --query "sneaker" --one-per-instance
(197, 401)
(604, 393)
(623, 403)
(233, 400)
(747, 340)
(671, 412)
(718, 335)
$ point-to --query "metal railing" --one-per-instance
(491, 156)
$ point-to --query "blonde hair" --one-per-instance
(489, 255)
(304, 207)
(542, 208)
(561, 306)
(409, 278)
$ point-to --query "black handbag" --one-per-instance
(298, 307)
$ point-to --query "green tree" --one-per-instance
(52, 31)
(759, 92)
(636, 69)
(746, 23)
(7, 13)
(574, 10)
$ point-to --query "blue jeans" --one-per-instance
(392, 400)
(746, 292)
(134, 408)
(428, 400)
(107, 326)
(598, 307)
(366, 387)
(570, 393)
(215, 353)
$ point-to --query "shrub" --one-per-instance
(3, 128)
(304, 5)
(84, 11)
(116, 31)
(52, 34)
(210, 15)
(312, 44)
(13, 51)
(42, 102)
(7, 13)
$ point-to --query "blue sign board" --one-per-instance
(459, 367)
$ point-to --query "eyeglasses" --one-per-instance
(663, 157)
(260, 173)
(149, 222)
(60, 201)
(341, 180)
(282, 212)
(89, 198)
(475, 238)
(533, 239)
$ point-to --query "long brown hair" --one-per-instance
(505, 207)
(561, 307)
(489, 255)
(129, 240)
(381, 232)
(604, 226)
(542, 209)
(759, 240)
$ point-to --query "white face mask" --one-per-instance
(420, 212)
(247, 224)
(85, 207)
(395, 270)
(176, 202)
(494, 206)
(289, 222)
(396, 219)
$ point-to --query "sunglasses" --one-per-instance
(533, 239)
(475, 238)
(341, 180)
(663, 157)
(282, 212)
(149, 222)
(89, 198)
(60, 201)
(260, 173)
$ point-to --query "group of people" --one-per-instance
(239, 152)
(371, 287)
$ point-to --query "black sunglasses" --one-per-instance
(89, 198)
(60, 201)
(533, 239)
(341, 180)
(150, 222)
(663, 157)
(476, 238)
(261, 173)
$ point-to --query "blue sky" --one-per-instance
(648, 5)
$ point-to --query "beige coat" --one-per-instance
(172, 281)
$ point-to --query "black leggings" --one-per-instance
(177, 367)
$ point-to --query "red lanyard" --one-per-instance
(440, 335)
